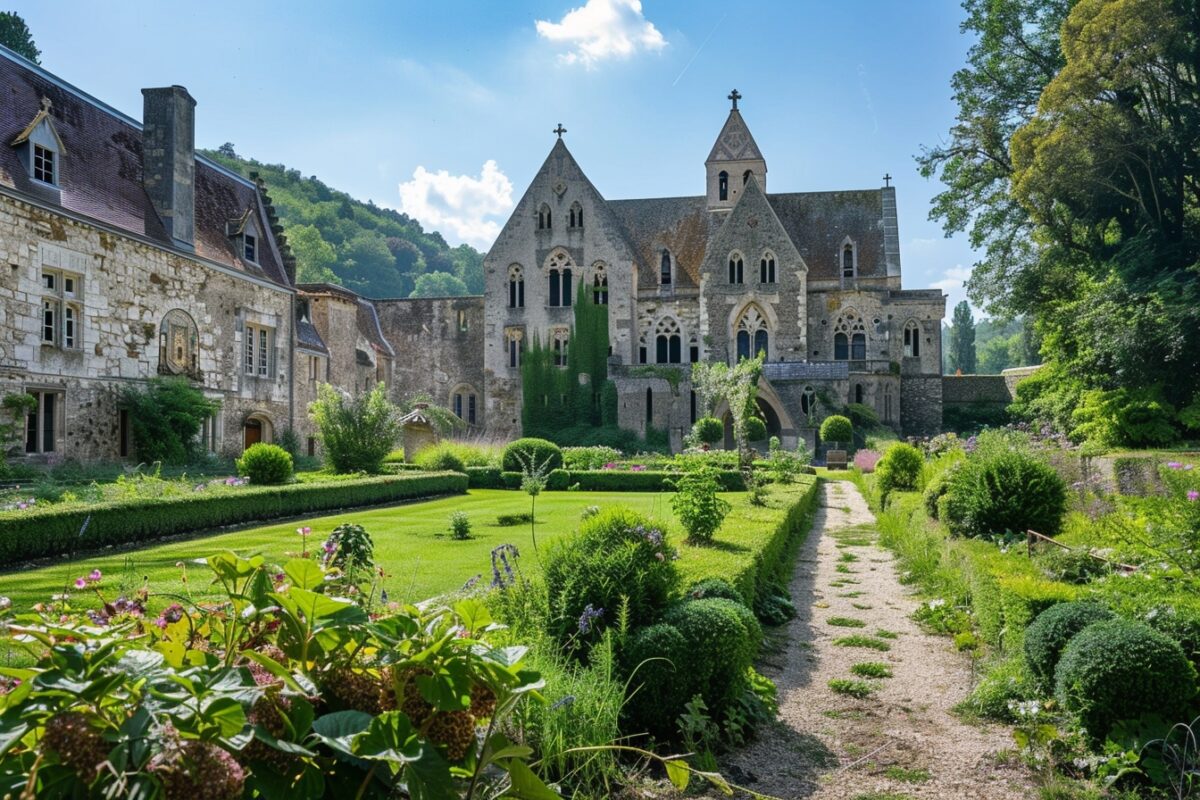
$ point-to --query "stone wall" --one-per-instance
(963, 389)
(124, 288)
(1015, 375)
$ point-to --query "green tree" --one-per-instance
(356, 432)
(962, 339)
(165, 416)
(994, 356)
(438, 284)
(15, 35)
(314, 256)
(366, 265)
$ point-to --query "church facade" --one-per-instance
(810, 279)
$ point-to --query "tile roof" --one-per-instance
(683, 225)
(100, 174)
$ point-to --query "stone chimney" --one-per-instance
(169, 160)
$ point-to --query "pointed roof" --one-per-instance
(753, 225)
(735, 142)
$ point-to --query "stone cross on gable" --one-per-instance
(887, 179)
(560, 130)
(735, 95)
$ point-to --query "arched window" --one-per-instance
(179, 344)
(649, 407)
(723, 185)
(560, 336)
(516, 287)
(849, 261)
(745, 177)
(808, 401)
(544, 218)
(858, 393)
(912, 340)
(576, 217)
(668, 342)
(558, 275)
(664, 272)
(464, 402)
(850, 337)
(642, 354)
(600, 284)
(751, 334)
(694, 351)
(766, 268)
(736, 268)
(513, 344)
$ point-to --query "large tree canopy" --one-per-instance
(15, 35)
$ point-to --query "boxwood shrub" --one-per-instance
(486, 478)
(52, 531)
(265, 464)
(1121, 669)
(1005, 491)
(531, 452)
(900, 468)
(1050, 632)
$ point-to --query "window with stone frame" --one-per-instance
(463, 403)
(314, 369)
(849, 260)
(178, 344)
(559, 341)
(258, 350)
(858, 393)
(43, 421)
(666, 273)
(575, 219)
(808, 401)
(642, 350)
(912, 339)
(766, 268)
(514, 346)
(543, 219)
(850, 337)
(600, 283)
(751, 333)
(62, 309)
(723, 185)
(694, 350)
(45, 165)
(516, 286)
(736, 268)
(887, 403)
(558, 273)
(250, 247)
(668, 342)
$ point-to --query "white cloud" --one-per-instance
(462, 208)
(602, 29)
(953, 283)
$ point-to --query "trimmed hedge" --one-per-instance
(612, 480)
(55, 531)
(1050, 632)
(486, 478)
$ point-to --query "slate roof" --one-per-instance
(817, 223)
(735, 142)
(100, 173)
(309, 338)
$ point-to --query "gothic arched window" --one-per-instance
(808, 401)
(600, 284)
(178, 344)
(516, 287)
(544, 218)
(576, 218)
(560, 336)
(850, 337)
(736, 268)
(723, 185)
(668, 342)
(665, 272)
(464, 402)
(858, 393)
(558, 275)
(766, 268)
(513, 346)
(849, 261)
(751, 334)
(912, 339)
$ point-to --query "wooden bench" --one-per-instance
(835, 459)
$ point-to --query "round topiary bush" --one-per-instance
(709, 430)
(837, 429)
(440, 457)
(653, 660)
(531, 453)
(618, 556)
(1003, 491)
(900, 468)
(1120, 669)
(756, 430)
(722, 638)
(265, 464)
(1050, 632)
(714, 587)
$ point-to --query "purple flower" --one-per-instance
(80, 583)
(610, 465)
(94, 576)
(1193, 495)
(98, 618)
(1174, 465)
(638, 467)
(305, 531)
(588, 617)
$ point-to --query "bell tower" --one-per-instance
(734, 158)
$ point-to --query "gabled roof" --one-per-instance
(735, 142)
(682, 225)
(101, 177)
(309, 338)
(43, 115)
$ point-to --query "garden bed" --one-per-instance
(38, 532)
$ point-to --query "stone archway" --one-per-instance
(256, 428)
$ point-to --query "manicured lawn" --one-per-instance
(411, 544)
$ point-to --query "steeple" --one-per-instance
(734, 157)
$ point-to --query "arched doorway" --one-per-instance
(256, 429)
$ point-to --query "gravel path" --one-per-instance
(901, 741)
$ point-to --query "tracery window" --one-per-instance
(600, 284)
(912, 339)
(766, 268)
(559, 267)
(514, 346)
(559, 345)
(668, 342)
(516, 287)
(736, 268)
(575, 219)
(751, 333)
(850, 337)
(544, 218)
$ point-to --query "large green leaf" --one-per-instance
(389, 737)
(526, 785)
(304, 573)
(226, 713)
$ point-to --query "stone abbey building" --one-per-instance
(124, 255)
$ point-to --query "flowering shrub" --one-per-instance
(577, 458)
(866, 460)
(279, 689)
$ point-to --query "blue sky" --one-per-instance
(445, 110)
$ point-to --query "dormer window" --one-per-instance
(250, 247)
(45, 167)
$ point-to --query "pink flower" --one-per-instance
(638, 467)
(1174, 465)
(80, 583)
(610, 465)
(305, 531)
(1193, 495)
(94, 576)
